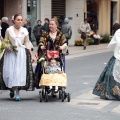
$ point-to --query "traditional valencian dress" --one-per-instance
(16, 68)
(108, 84)
(50, 44)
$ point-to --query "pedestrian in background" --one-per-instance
(12, 19)
(84, 28)
(67, 31)
(16, 72)
(61, 20)
(115, 26)
(46, 25)
(26, 24)
(108, 84)
(37, 30)
(4, 26)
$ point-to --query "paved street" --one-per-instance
(83, 69)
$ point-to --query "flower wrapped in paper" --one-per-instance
(6, 44)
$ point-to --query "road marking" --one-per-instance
(90, 101)
(85, 83)
(116, 109)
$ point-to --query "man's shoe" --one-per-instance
(84, 47)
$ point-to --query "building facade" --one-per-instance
(104, 11)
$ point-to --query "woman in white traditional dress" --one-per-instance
(108, 84)
(16, 71)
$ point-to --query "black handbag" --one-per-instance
(83, 35)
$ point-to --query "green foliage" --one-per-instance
(90, 41)
(105, 38)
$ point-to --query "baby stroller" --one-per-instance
(53, 79)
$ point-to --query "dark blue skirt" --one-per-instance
(106, 87)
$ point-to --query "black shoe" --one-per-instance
(84, 47)
(12, 94)
(31, 49)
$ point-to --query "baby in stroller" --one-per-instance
(53, 79)
(53, 68)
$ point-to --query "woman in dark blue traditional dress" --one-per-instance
(52, 40)
(108, 84)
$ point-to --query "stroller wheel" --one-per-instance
(43, 94)
(68, 97)
(40, 96)
(63, 96)
(60, 94)
(46, 97)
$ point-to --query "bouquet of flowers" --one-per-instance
(91, 34)
(42, 59)
(6, 44)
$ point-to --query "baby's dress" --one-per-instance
(53, 69)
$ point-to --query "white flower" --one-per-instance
(95, 36)
(98, 36)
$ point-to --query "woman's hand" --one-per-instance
(46, 71)
(43, 47)
(63, 47)
(32, 59)
(60, 47)
(8, 48)
(60, 72)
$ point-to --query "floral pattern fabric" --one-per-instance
(107, 87)
(49, 43)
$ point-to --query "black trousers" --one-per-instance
(67, 45)
(37, 41)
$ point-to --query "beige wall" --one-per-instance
(11, 7)
(45, 9)
(119, 10)
(74, 8)
(104, 16)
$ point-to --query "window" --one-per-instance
(92, 14)
(58, 8)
